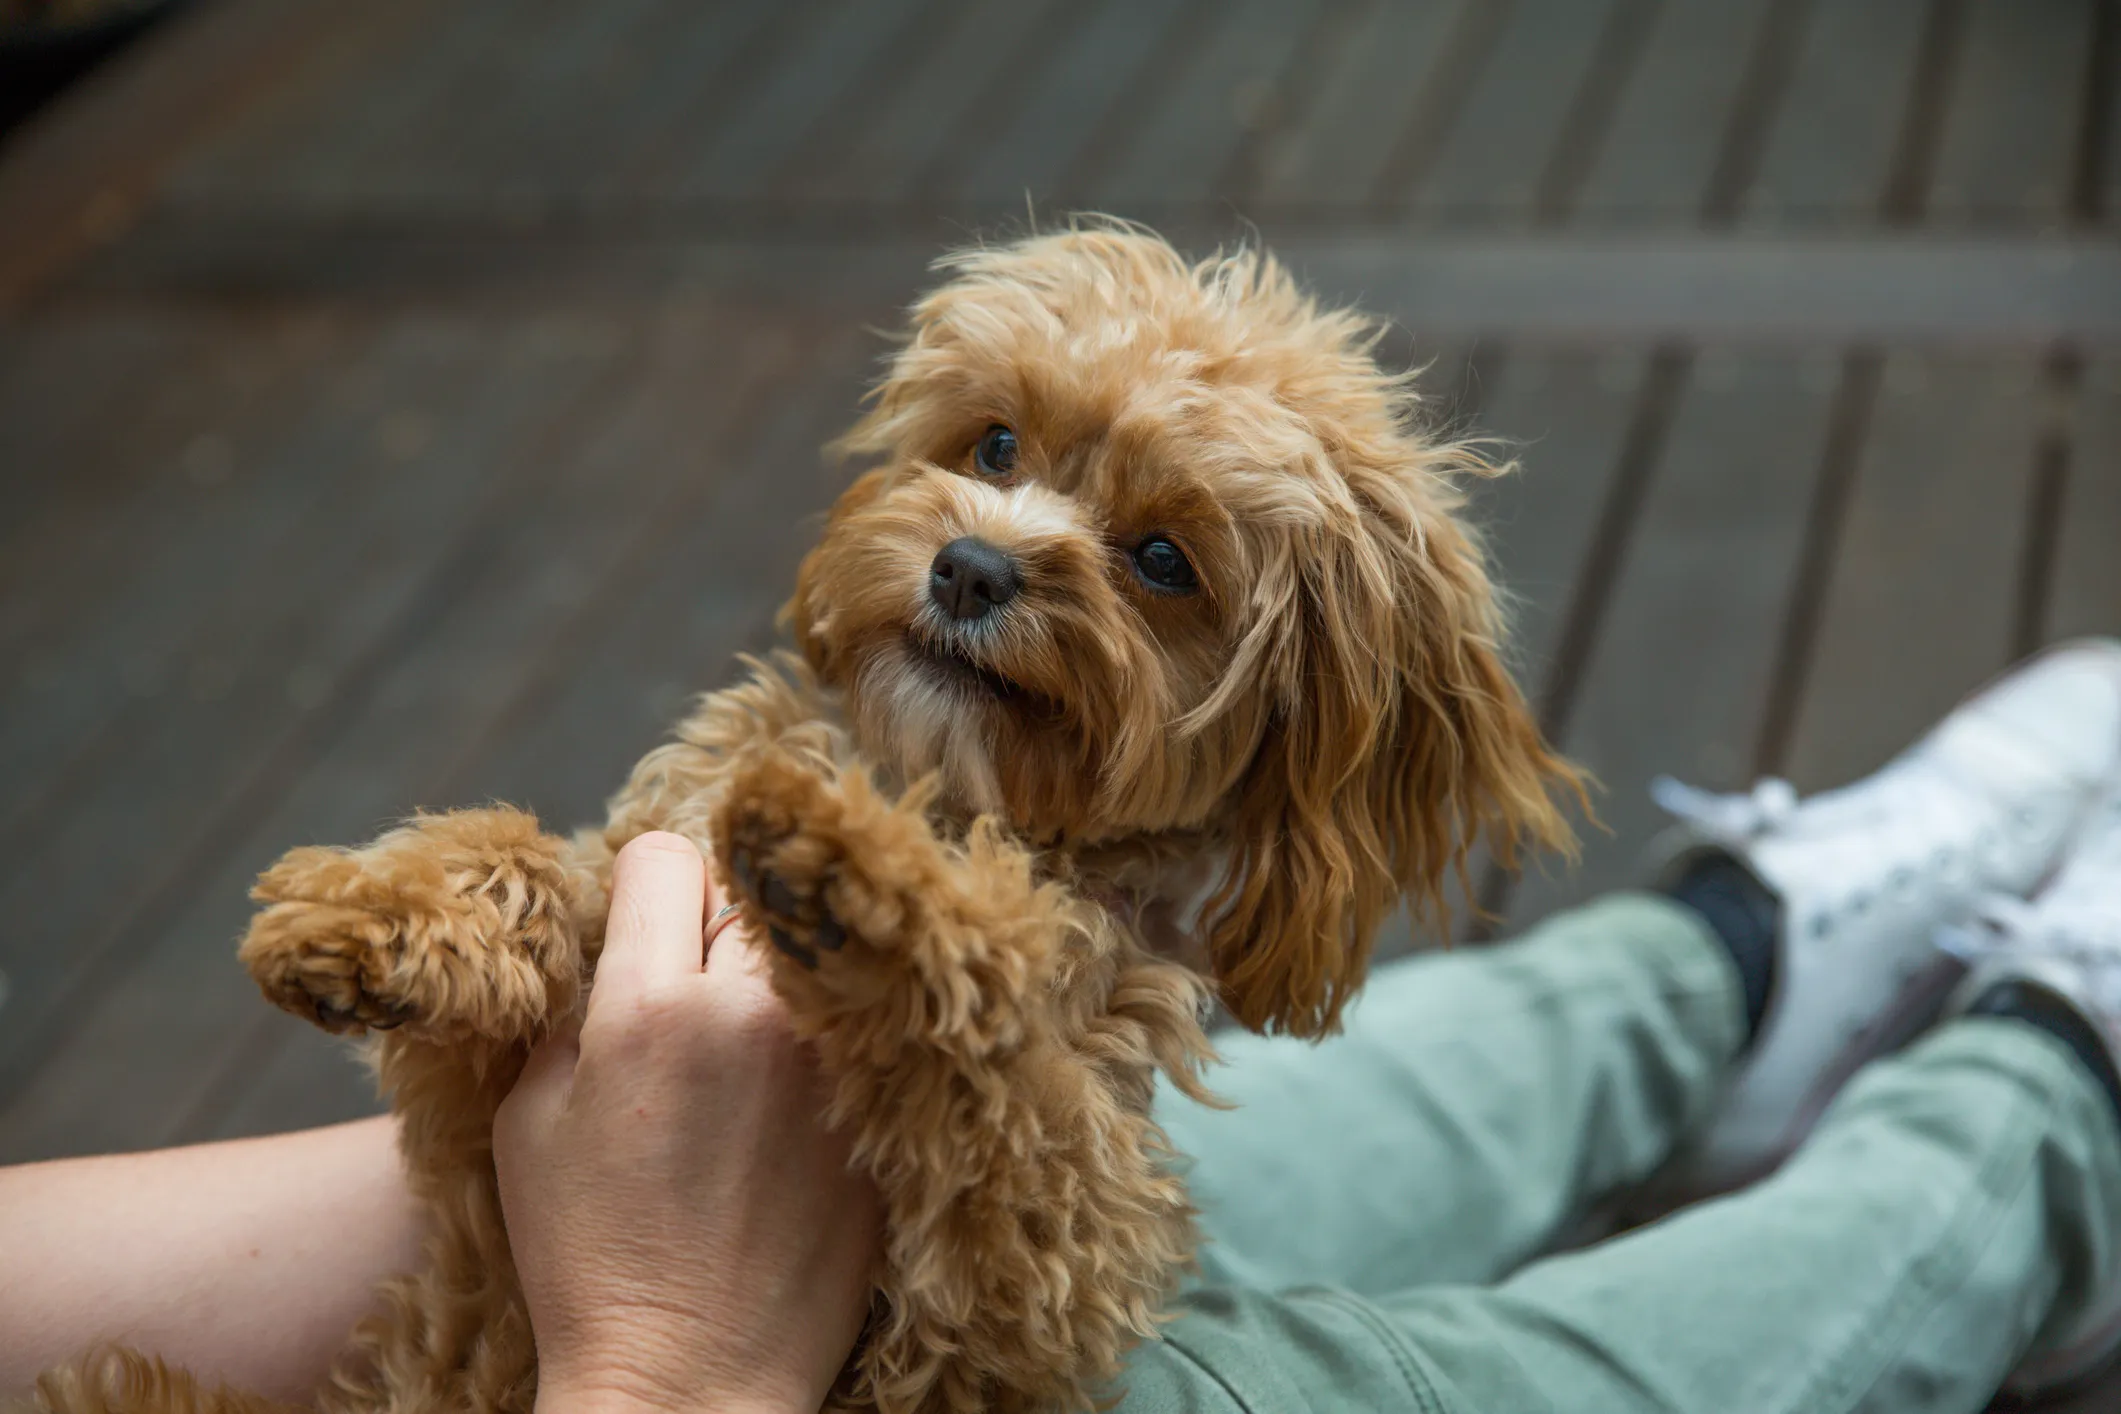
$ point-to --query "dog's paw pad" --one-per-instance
(744, 868)
(366, 1014)
(786, 942)
(774, 893)
(795, 919)
(788, 905)
(341, 1005)
(342, 982)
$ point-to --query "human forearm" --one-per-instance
(248, 1261)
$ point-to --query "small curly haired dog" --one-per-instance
(1150, 664)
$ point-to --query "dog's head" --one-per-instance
(1159, 547)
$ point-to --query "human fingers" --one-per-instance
(653, 933)
(541, 1088)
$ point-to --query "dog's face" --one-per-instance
(1156, 547)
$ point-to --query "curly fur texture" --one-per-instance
(1003, 861)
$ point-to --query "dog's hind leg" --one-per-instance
(114, 1380)
(454, 927)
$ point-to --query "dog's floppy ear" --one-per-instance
(799, 614)
(1396, 738)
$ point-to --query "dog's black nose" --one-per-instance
(970, 577)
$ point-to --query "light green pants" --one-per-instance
(1377, 1205)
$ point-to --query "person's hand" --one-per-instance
(687, 1232)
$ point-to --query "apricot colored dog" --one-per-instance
(1149, 665)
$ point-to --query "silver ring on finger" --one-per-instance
(724, 916)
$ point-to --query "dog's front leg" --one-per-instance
(456, 934)
(990, 1042)
(460, 938)
(455, 927)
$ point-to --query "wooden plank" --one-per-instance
(1919, 608)
(24, 711)
(972, 69)
(1635, 286)
(1185, 149)
(370, 144)
(1489, 164)
(631, 487)
(1609, 70)
(464, 145)
(61, 380)
(2084, 591)
(1463, 54)
(78, 176)
(1371, 91)
(273, 668)
(2100, 199)
(119, 488)
(1831, 149)
(589, 503)
(92, 645)
(1907, 189)
(152, 591)
(1567, 412)
(1672, 125)
(521, 151)
(670, 626)
(1028, 147)
(2011, 129)
(678, 79)
(306, 142)
(749, 149)
(1679, 678)
(290, 128)
(1564, 415)
(689, 72)
(1680, 670)
(1741, 287)
(688, 614)
(294, 1077)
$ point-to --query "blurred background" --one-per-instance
(411, 403)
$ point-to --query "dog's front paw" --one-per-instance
(453, 925)
(338, 964)
(809, 856)
(794, 916)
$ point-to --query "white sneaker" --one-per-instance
(2066, 939)
(1982, 805)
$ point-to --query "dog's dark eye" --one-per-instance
(997, 451)
(1164, 566)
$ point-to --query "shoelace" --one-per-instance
(1930, 814)
(2076, 922)
(1909, 821)
(2081, 908)
(2085, 937)
(1742, 816)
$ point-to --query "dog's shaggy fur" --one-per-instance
(1005, 860)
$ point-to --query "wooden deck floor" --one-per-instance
(411, 403)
